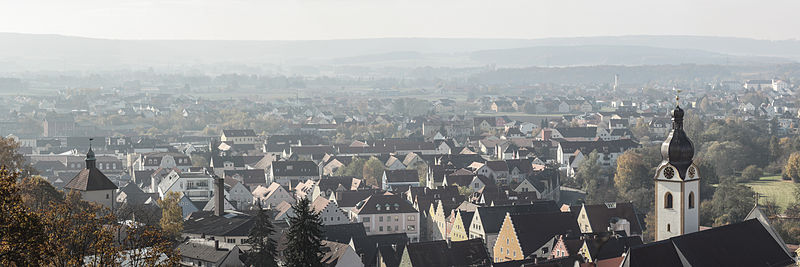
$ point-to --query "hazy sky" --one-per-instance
(341, 19)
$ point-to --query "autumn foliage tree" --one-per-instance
(171, 214)
(373, 171)
(792, 168)
(21, 232)
(634, 180)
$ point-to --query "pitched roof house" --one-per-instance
(521, 235)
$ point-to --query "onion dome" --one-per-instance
(677, 149)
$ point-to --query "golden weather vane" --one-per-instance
(677, 95)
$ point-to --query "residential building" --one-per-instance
(399, 178)
(521, 235)
(388, 213)
(202, 252)
(289, 173)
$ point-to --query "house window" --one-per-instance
(397, 218)
(366, 229)
(668, 201)
(380, 228)
(380, 218)
(411, 228)
(691, 200)
(107, 197)
(411, 218)
(365, 219)
(231, 240)
(668, 227)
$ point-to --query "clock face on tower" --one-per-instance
(669, 173)
(692, 172)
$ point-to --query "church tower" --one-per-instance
(677, 184)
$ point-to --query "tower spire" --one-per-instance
(90, 158)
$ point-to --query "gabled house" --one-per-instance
(387, 213)
(339, 255)
(487, 221)
(197, 186)
(329, 211)
(203, 252)
(609, 217)
(239, 195)
(460, 230)
(289, 173)
(521, 235)
(271, 196)
(239, 136)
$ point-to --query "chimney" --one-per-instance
(219, 196)
(216, 244)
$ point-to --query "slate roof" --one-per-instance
(133, 194)
(295, 168)
(239, 133)
(546, 226)
(578, 132)
(395, 203)
(203, 250)
(90, 180)
(600, 216)
(343, 233)
(353, 197)
(492, 217)
(441, 253)
(205, 222)
(333, 182)
(249, 177)
(371, 244)
(601, 146)
(745, 243)
(466, 218)
(497, 165)
(332, 251)
(401, 176)
(312, 150)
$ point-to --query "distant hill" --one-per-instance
(587, 55)
(32, 52)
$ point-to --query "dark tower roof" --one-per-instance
(90, 178)
(677, 149)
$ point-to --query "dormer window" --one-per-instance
(396, 206)
(378, 206)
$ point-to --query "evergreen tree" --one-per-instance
(303, 248)
(262, 253)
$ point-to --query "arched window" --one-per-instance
(691, 200)
(668, 201)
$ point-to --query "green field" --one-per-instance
(774, 189)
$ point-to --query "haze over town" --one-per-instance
(405, 133)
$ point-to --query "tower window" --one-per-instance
(691, 200)
(668, 201)
(668, 227)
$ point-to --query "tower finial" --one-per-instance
(677, 95)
